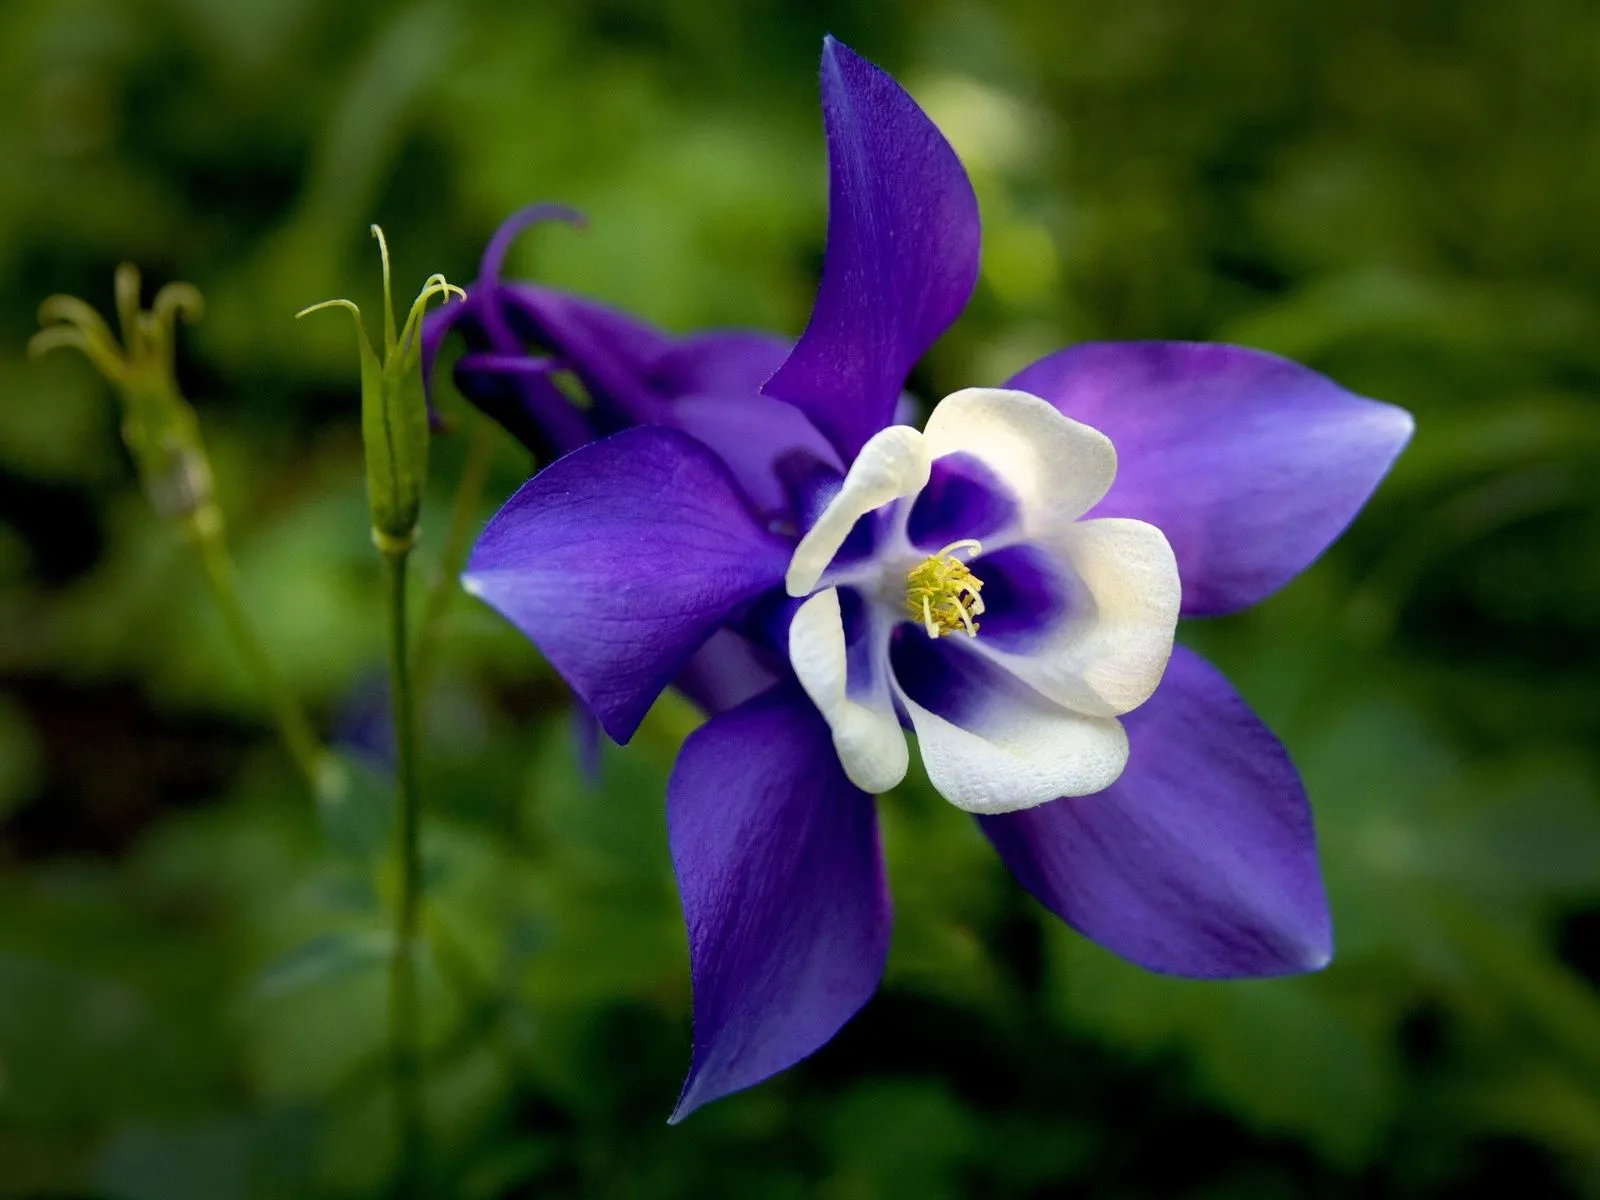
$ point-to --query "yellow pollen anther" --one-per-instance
(943, 594)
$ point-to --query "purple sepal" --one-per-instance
(1201, 860)
(901, 259)
(619, 560)
(719, 362)
(752, 434)
(609, 351)
(506, 326)
(494, 254)
(713, 383)
(518, 392)
(1249, 463)
(438, 323)
(783, 889)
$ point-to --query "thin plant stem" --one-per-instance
(463, 518)
(403, 1012)
(206, 531)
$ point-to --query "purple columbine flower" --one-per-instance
(1005, 582)
(521, 338)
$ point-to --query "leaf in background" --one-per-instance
(96, 1012)
(206, 1162)
(1285, 1055)
(1403, 820)
(948, 885)
(359, 818)
(20, 765)
(601, 876)
(264, 1155)
(323, 959)
(901, 1137)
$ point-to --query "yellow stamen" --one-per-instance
(943, 594)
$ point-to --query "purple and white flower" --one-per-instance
(1004, 582)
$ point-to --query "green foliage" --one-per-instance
(192, 986)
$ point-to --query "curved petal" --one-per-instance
(751, 433)
(860, 713)
(719, 361)
(963, 500)
(1249, 463)
(1201, 860)
(436, 326)
(479, 321)
(783, 892)
(619, 560)
(513, 227)
(1105, 654)
(518, 336)
(1055, 467)
(517, 392)
(610, 351)
(902, 254)
(892, 465)
(990, 743)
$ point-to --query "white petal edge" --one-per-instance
(1108, 658)
(1023, 751)
(1057, 468)
(870, 743)
(893, 464)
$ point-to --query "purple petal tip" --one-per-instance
(784, 896)
(1201, 860)
(581, 557)
(1250, 464)
(901, 258)
(495, 252)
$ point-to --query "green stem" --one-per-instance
(463, 522)
(403, 1014)
(205, 530)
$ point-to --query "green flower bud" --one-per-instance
(394, 413)
(158, 425)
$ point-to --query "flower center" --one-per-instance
(943, 594)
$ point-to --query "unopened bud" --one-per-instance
(394, 413)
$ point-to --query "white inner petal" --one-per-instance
(1056, 467)
(1108, 657)
(1043, 726)
(1020, 751)
(894, 463)
(866, 732)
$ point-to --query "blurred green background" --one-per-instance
(1403, 195)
